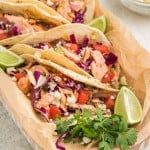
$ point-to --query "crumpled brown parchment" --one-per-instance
(135, 62)
(136, 65)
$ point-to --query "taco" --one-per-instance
(75, 11)
(53, 91)
(18, 21)
(84, 50)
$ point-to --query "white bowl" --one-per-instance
(137, 6)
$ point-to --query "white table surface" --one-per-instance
(10, 136)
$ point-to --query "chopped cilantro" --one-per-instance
(109, 132)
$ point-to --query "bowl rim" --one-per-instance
(138, 2)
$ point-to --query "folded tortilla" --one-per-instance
(134, 61)
(19, 20)
(77, 11)
(55, 45)
(50, 75)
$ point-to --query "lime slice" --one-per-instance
(99, 23)
(9, 59)
(128, 106)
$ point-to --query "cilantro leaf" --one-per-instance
(86, 113)
(125, 139)
(122, 142)
(109, 138)
(100, 116)
(107, 131)
(131, 136)
(104, 146)
(123, 126)
(63, 126)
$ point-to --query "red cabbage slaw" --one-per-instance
(13, 25)
(8, 26)
(78, 54)
(59, 140)
(45, 81)
(46, 87)
(73, 11)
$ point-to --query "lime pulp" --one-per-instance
(128, 106)
(9, 59)
(99, 23)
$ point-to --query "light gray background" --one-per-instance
(10, 136)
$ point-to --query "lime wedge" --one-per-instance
(99, 23)
(9, 59)
(128, 106)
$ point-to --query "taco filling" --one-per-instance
(52, 93)
(11, 25)
(72, 10)
(91, 56)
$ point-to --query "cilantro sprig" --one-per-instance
(109, 132)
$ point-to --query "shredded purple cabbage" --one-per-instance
(48, 78)
(55, 89)
(79, 17)
(37, 75)
(59, 140)
(15, 30)
(79, 86)
(72, 109)
(42, 111)
(85, 41)
(40, 46)
(62, 110)
(85, 66)
(70, 83)
(73, 39)
(3, 23)
(35, 94)
(89, 61)
(110, 58)
(79, 50)
(82, 66)
(3, 26)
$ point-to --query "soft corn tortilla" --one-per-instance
(64, 31)
(32, 11)
(90, 5)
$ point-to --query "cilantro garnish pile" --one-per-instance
(108, 132)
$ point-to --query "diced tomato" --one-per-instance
(110, 103)
(109, 76)
(19, 75)
(54, 112)
(83, 97)
(74, 47)
(102, 48)
(4, 36)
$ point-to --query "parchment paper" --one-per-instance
(135, 61)
(136, 65)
